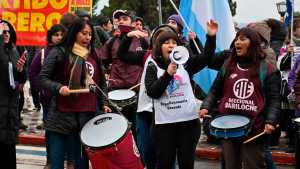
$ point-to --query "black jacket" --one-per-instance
(155, 87)
(9, 97)
(271, 91)
(51, 78)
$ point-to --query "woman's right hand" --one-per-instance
(172, 68)
(64, 91)
(202, 113)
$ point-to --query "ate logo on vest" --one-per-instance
(243, 89)
(90, 68)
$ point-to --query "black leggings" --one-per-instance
(8, 155)
(176, 138)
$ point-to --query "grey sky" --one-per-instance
(256, 10)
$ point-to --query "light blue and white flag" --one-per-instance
(196, 13)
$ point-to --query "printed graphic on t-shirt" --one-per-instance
(243, 89)
(175, 84)
(90, 68)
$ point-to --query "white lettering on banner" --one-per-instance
(243, 89)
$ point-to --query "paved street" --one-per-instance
(29, 157)
(33, 157)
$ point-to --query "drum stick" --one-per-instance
(80, 91)
(207, 116)
(135, 86)
(254, 137)
(258, 135)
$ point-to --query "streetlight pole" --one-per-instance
(159, 12)
(281, 8)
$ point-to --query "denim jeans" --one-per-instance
(268, 159)
(144, 139)
(60, 145)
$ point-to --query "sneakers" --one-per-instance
(40, 126)
(22, 126)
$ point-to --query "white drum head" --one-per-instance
(230, 121)
(103, 130)
(121, 94)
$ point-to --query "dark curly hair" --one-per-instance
(254, 54)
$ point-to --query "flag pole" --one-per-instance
(174, 6)
(292, 32)
(159, 12)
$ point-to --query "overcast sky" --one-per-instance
(256, 10)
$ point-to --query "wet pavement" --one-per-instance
(33, 136)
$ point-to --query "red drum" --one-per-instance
(110, 144)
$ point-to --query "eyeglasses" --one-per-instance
(6, 31)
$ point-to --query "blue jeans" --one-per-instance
(268, 159)
(60, 144)
(144, 139)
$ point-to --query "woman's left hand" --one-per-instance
(192, 35)
(106, 109)
(212, 27)
(269, 128)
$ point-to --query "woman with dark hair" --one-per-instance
(75, 65)
(246, 85)
(54, 36)
(11, 75)
(169, 88)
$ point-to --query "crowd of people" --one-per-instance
(258, 78)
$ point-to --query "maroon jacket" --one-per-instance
(122, 75)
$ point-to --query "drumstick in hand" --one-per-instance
(80, 91)
(134, 86)
(254, 137)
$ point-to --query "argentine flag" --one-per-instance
(196, 13)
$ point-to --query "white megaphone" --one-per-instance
(179, 55)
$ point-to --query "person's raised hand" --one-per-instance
(212, 27)
(192, 35)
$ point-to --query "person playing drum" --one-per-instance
(72, 65)
(246, 85)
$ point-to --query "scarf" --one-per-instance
(78, 73)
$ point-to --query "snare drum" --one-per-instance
(230, 126)
(109, 143)
(122, 97)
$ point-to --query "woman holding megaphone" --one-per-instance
(167, 83)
